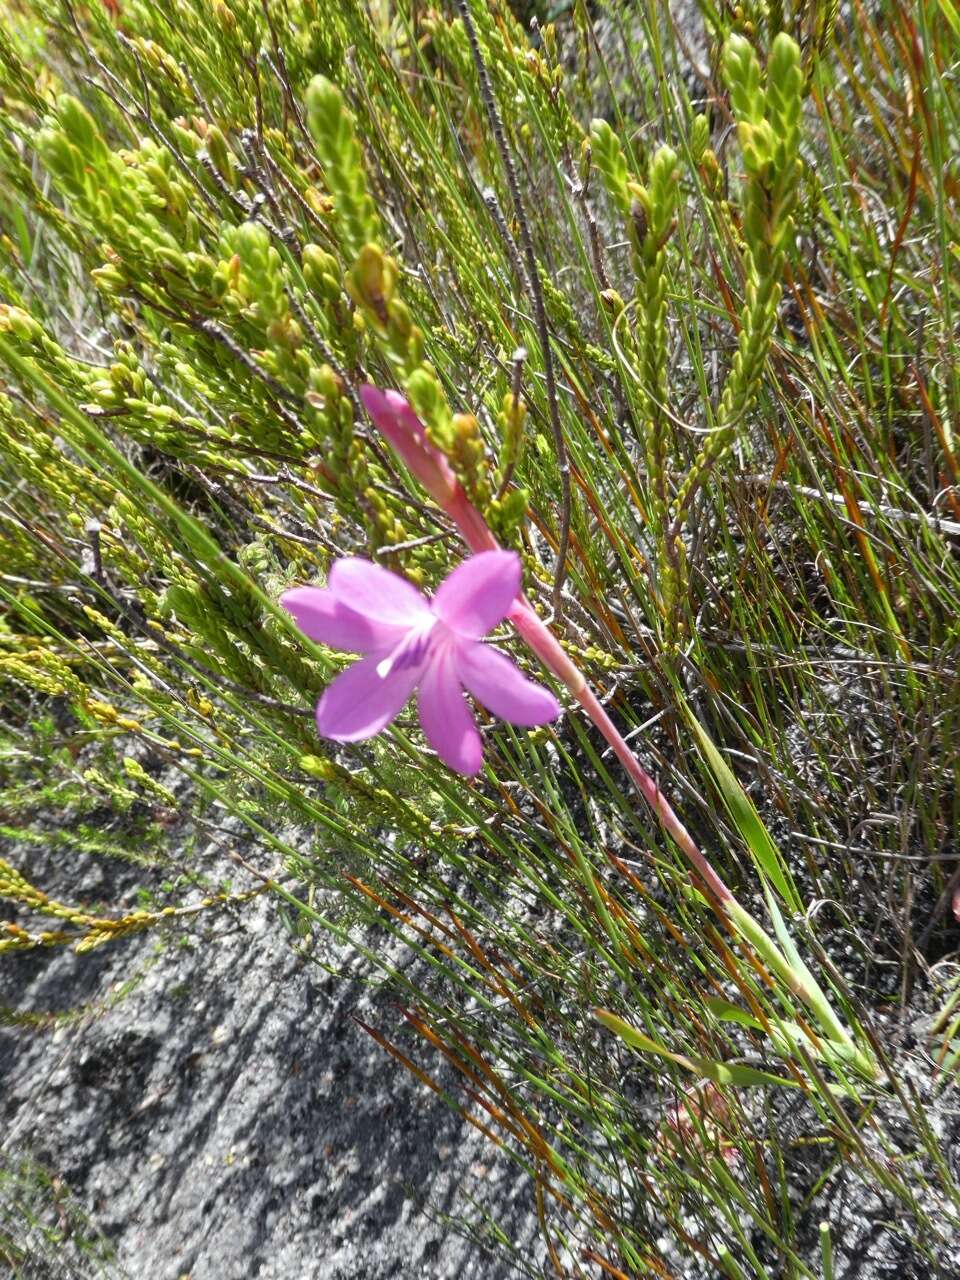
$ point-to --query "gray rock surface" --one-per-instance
(230, 1119)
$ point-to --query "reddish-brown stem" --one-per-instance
(473, 528)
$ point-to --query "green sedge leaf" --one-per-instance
(707, 1068)
(767, 857)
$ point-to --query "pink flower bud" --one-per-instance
(394, 418)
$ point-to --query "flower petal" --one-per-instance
(494, 680)
(361, 702)
(446, 719)
(323, 616)
(377, 593)
(479, 593)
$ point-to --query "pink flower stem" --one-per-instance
(545, 645)
(478, 537)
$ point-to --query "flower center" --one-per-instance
(411, 651)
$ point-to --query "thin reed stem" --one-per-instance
(536, 296)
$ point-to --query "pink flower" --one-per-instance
(394, 418)
(410, 642)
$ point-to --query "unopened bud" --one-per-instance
(372, 280)
(224, 16)
(397, 422)
(219, 153)
(20, 323)
(321, 272)
(613, 303)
